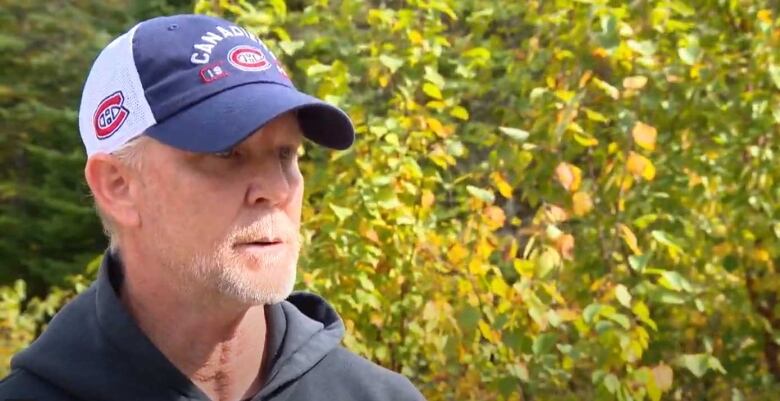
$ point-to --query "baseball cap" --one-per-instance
(197, 83)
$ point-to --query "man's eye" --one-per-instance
(226, 154)
(287, 153)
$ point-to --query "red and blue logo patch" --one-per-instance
(248, 58)
(110, 115)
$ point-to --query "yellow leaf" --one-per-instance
(595, 115)
(761, 255)
(503, 187)
(629, 238)
(585, 140)
(477, 268)
(432, 90)
(556, 214)
(553, 292)
(663, 377)
(427, 199)
(384, 79)
(498, 286)
(637, 82)
(610, 90)
(415, 37)
(487, 332)
(460, 112)
(565, 245)
(567, 315)
(524, 267)
(582, 204)
(600, 52)
(436, 126)
(495, 217)
(639, 165)
(569, 176)
(722, 249)
(435, 104)
(585, 78)
(457, 253)
(644, 135)
(765, 16)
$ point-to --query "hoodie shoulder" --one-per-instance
(22, 385)
(348, 376)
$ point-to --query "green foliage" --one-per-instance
(47, 49)
(548, 200)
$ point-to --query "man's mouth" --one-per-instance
(261, 242)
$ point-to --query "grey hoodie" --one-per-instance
(93, 350)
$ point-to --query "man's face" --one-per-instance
(226, 223)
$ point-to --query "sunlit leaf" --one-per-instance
(569, 176)
(629, 238)
(432, 91)
(637, 82)
(641, 166)
(480, 193)
(514, 133)
(623, 296)
(582, 204)
(644, 135)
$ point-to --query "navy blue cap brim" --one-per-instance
(221, 121)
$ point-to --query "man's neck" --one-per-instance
(218, 346)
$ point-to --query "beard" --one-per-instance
(231, 270)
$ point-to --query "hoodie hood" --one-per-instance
(94, 350)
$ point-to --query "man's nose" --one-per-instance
(270, 183)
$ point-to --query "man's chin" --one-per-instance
(259, 283)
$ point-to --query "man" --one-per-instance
(192, 128)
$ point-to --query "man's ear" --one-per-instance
(113, 186)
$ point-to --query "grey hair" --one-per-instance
(131, 155)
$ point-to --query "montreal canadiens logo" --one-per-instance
(110, 115)
(248, 58)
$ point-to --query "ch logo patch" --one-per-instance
(248, 58)
(110, 115)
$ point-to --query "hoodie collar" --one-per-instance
(98, 329)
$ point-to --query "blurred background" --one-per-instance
(547, 200)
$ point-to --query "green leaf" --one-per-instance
(468, 318)
(623, 296)
(691, 51)
(317, 69)
(621, 319)
(698, 364)
(514, 133)
(544, 343)
(612, 383)
(638, 262)
(643, 314)
(674, 281)
(774, 73)
(590, 312)
(340, 212)
(671, 298)
(392, 63)
(478, 53)
(666, 239)
(291, 47)
(434, 77)
(548, 261)
(485, 195)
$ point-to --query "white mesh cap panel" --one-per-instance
(113, 108)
